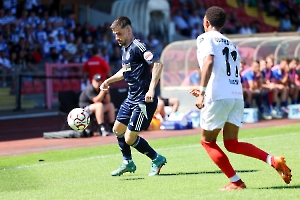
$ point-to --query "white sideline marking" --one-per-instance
(118, 155)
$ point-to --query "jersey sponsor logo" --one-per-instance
(148, 55)
(126, 66)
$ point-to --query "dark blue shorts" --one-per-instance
(137, 116)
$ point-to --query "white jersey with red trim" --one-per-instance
(225, 81)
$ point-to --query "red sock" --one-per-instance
(246, 149)
(219, 158)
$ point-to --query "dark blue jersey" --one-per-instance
(136, 59)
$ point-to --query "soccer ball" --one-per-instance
(78, 119)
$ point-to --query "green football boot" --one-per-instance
(157, 164)
(130, 167)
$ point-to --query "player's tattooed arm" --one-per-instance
(156, 73)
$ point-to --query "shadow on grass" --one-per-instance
(280, 187)
(208, 172)
(132, 179)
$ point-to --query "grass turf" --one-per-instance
(189, 174)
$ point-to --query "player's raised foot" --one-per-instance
(157, 164)
(239, 185)
(130, 167)
(278, 162)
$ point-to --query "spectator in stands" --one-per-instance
(61, 42)
(70, 20)
(31, 64)
(97, 101)
(194, 18)
(21, 22)
(33, 19)
(32, 5)
(245, 29)
(254, 79)
(162, 102)
(182, 26)
(19, 46)
(55, 18)
(267, 88)
(196, 30)
(105, 42)
(293, 87)
(69, 32)
(5, 67)
(9, 17)
(231, 25)
(70, 46)
(82, 57)
(270, 86)
(13, 35)
(29, 34)
(3, 45)
(88, 44)
(50, 43)
(285, 23)
(280, 75)
(40, 35)
(2, 19)
(105, 54)
(10, 5)
(247, 94)
(96, 65)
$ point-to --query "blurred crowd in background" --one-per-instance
(32, 34)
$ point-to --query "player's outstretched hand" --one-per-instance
(195, 92)
(104, 86)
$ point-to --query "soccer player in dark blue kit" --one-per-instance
(138, 108)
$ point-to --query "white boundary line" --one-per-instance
(118, 155)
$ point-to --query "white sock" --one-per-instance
(127, 161)
(269, 160)
(235, 178)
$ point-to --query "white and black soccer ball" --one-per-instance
(78, 119)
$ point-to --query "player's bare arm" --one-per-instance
(156, 73)
(100, 96)
(115, 78)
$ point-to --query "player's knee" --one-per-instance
(205, 143)
(230, 145)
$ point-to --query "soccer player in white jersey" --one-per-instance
(220, 98)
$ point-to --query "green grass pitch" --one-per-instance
(84, 173)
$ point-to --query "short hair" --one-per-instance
(216, 16)
(95, 50)
(285, 59)
(295, 59)
(122, 22)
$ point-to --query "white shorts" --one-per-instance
(215, 114)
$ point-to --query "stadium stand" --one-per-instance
(21, 39)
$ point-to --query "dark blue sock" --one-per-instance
(258, 101)
(284, 104)
(247, 105)
(143, 147)
(125, 148)
(295, 101)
